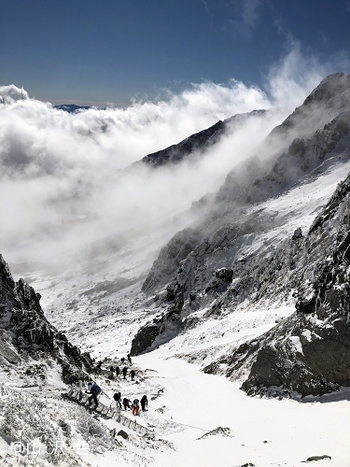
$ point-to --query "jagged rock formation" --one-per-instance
(27, 335)
(312, 266)
(160, 330)
(309, 353)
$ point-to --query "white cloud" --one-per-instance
(250, 14)
(63, 183)
(11, 93)
(245, 16)
(297, 74)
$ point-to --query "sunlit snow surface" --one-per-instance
(100, 308)
(186, 404)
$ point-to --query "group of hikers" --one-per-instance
(94, 390)
(134, 405)
(116, 371)
(124, 372)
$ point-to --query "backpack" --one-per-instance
(116, 396)
(98, 390)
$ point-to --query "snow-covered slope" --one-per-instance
(214, 288)
(247, 249)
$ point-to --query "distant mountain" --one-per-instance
(71, 108)
(199, 142)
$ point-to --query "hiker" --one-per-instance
(117, 371)
(98, 367)
(117, 396)
(94, 390)
(132, 375)
(124, 371)
(135, 407)
(144, 403)
(126, 403)
(129, 359)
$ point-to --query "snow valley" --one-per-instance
(208, 237)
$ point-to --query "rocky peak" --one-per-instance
(326, 101)
(331, 86)
(305, 139)
(200, 141)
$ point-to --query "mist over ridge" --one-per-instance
(63, 183)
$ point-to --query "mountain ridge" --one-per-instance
(209, 272)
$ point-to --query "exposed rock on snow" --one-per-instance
(317, 458)
(309, 353)
(223, 431)
(156, 333)
(27, 335)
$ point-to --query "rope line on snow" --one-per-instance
(190, 426)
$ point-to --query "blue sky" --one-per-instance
(114, 51)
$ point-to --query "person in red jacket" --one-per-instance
(135, 407)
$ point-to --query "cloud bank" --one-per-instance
(66, 180)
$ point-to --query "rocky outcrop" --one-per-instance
(308, 353)
(159, 331)
(27, 334)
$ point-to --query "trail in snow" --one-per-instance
(265, 432)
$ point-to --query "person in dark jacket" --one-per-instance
(98, 367)
(126, 403)
(94, 391)
(132, 375)
(117, 397)
(124, 371)
(144, 403)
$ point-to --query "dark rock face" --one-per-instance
(156, 333)
(26, 333)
